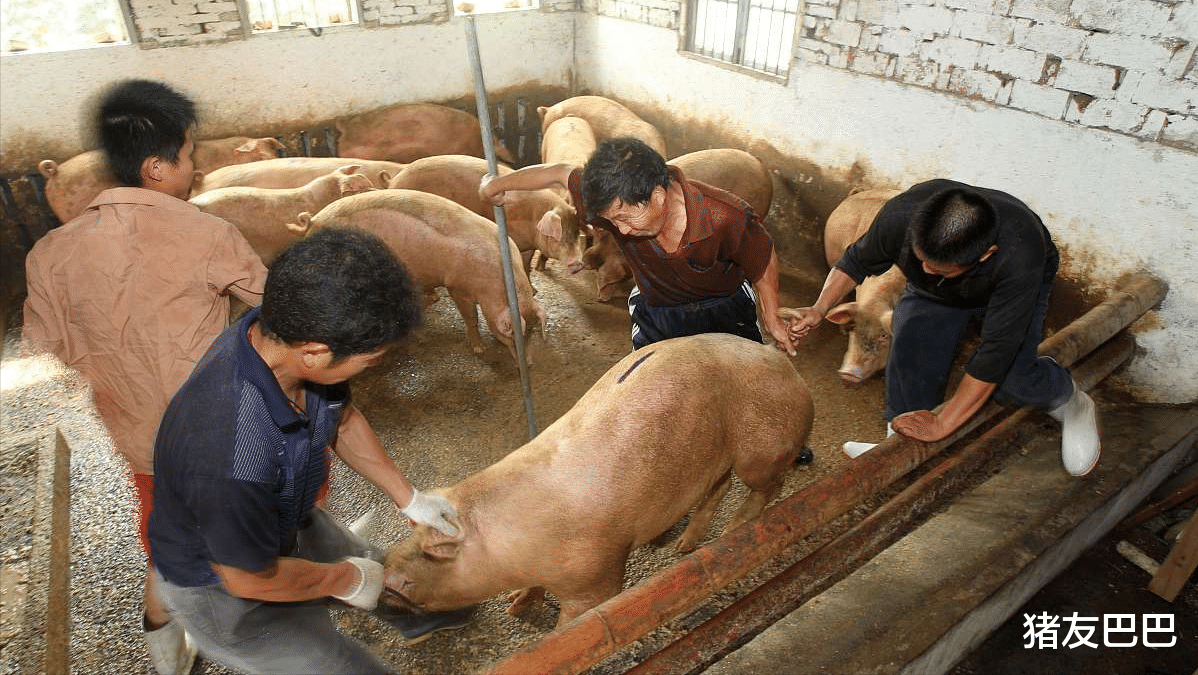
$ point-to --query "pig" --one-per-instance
(605, 257)
(649, 441)
(608, 119)
(269, 217)
(869, 313)
(72, 185)
(443, 244)
(568, 140)
(290, 172)
(406, 132)
(733, 170)
(536, 219)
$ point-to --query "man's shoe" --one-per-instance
(855, 449)
(417, 628)
(171, 652)
(1080, 444)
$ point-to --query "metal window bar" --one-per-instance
(757, 34)
(271, 15)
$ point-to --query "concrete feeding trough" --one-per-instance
(35, 574)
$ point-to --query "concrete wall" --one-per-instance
(1084, 109)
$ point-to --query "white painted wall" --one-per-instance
(1126, 204)
(279, 78)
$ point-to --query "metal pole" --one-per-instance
(505, 254)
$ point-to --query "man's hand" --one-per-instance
(782, 339)
(365, 593)
(800, 321)
(432, 510)
(923, 425)
(489, 193)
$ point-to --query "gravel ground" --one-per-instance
(444, 413)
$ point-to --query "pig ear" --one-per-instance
(842, 314)
(439, 546)
(504, 323)
(274, 143)
(541, 111)
(550, 225)
(384, 177)
(248, 146)
(350, 168)
(47, 168)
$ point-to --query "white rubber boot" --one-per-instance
(171, 653)
(855, 449)
(1080, 444)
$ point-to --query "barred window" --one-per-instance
(463, 7)
(276, 15)
(60, 25)
(756, 34)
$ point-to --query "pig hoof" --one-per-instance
(685, 545)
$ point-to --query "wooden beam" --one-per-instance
(1179, 565)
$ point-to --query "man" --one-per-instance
(133, 291)
(966, 252)
(241, 548)
(700, 258)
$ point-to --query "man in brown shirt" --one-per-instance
(699, 255)
(132, 292)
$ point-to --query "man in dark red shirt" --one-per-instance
(699, 255)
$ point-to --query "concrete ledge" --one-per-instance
(925, 602)
(37, 585)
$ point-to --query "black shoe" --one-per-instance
(805, 456)
(417, 628)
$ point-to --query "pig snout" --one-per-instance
(851, 373)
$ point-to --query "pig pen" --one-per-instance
(443, 413)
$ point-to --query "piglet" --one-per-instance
(443, 244)
(269, 218)
(659, 434)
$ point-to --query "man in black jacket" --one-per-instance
(966, 252)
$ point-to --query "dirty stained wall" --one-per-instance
(1085, 109)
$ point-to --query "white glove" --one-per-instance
(432, 510)
(370, 584)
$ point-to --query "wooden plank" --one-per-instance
(1179, 565)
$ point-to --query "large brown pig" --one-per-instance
(608, 119)
(72, 185)
(536, 219)
(733, 170)
(406, 132)
(443, 244)
(652, 439)
(869, 313)
(269, 217)
(290, 172)
(568, 140)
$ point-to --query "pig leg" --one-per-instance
(763, 476)
(700, 522)
(599, 589)
(519, 601)
(469, 312)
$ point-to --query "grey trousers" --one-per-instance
(269, 637)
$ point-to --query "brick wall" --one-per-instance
(1124, 65)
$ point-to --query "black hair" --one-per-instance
(140, 119)
(341, 287)
(622, 167)
(954, 226)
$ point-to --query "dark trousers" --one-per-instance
(735, 314)
(925, 339)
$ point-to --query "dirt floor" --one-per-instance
(444, 413)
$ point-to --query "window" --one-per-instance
(276, 15)
(464, 7)
(59, 25)
(756, 34)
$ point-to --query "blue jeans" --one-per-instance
(925, 339)
(735, 314)
(269, 637)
